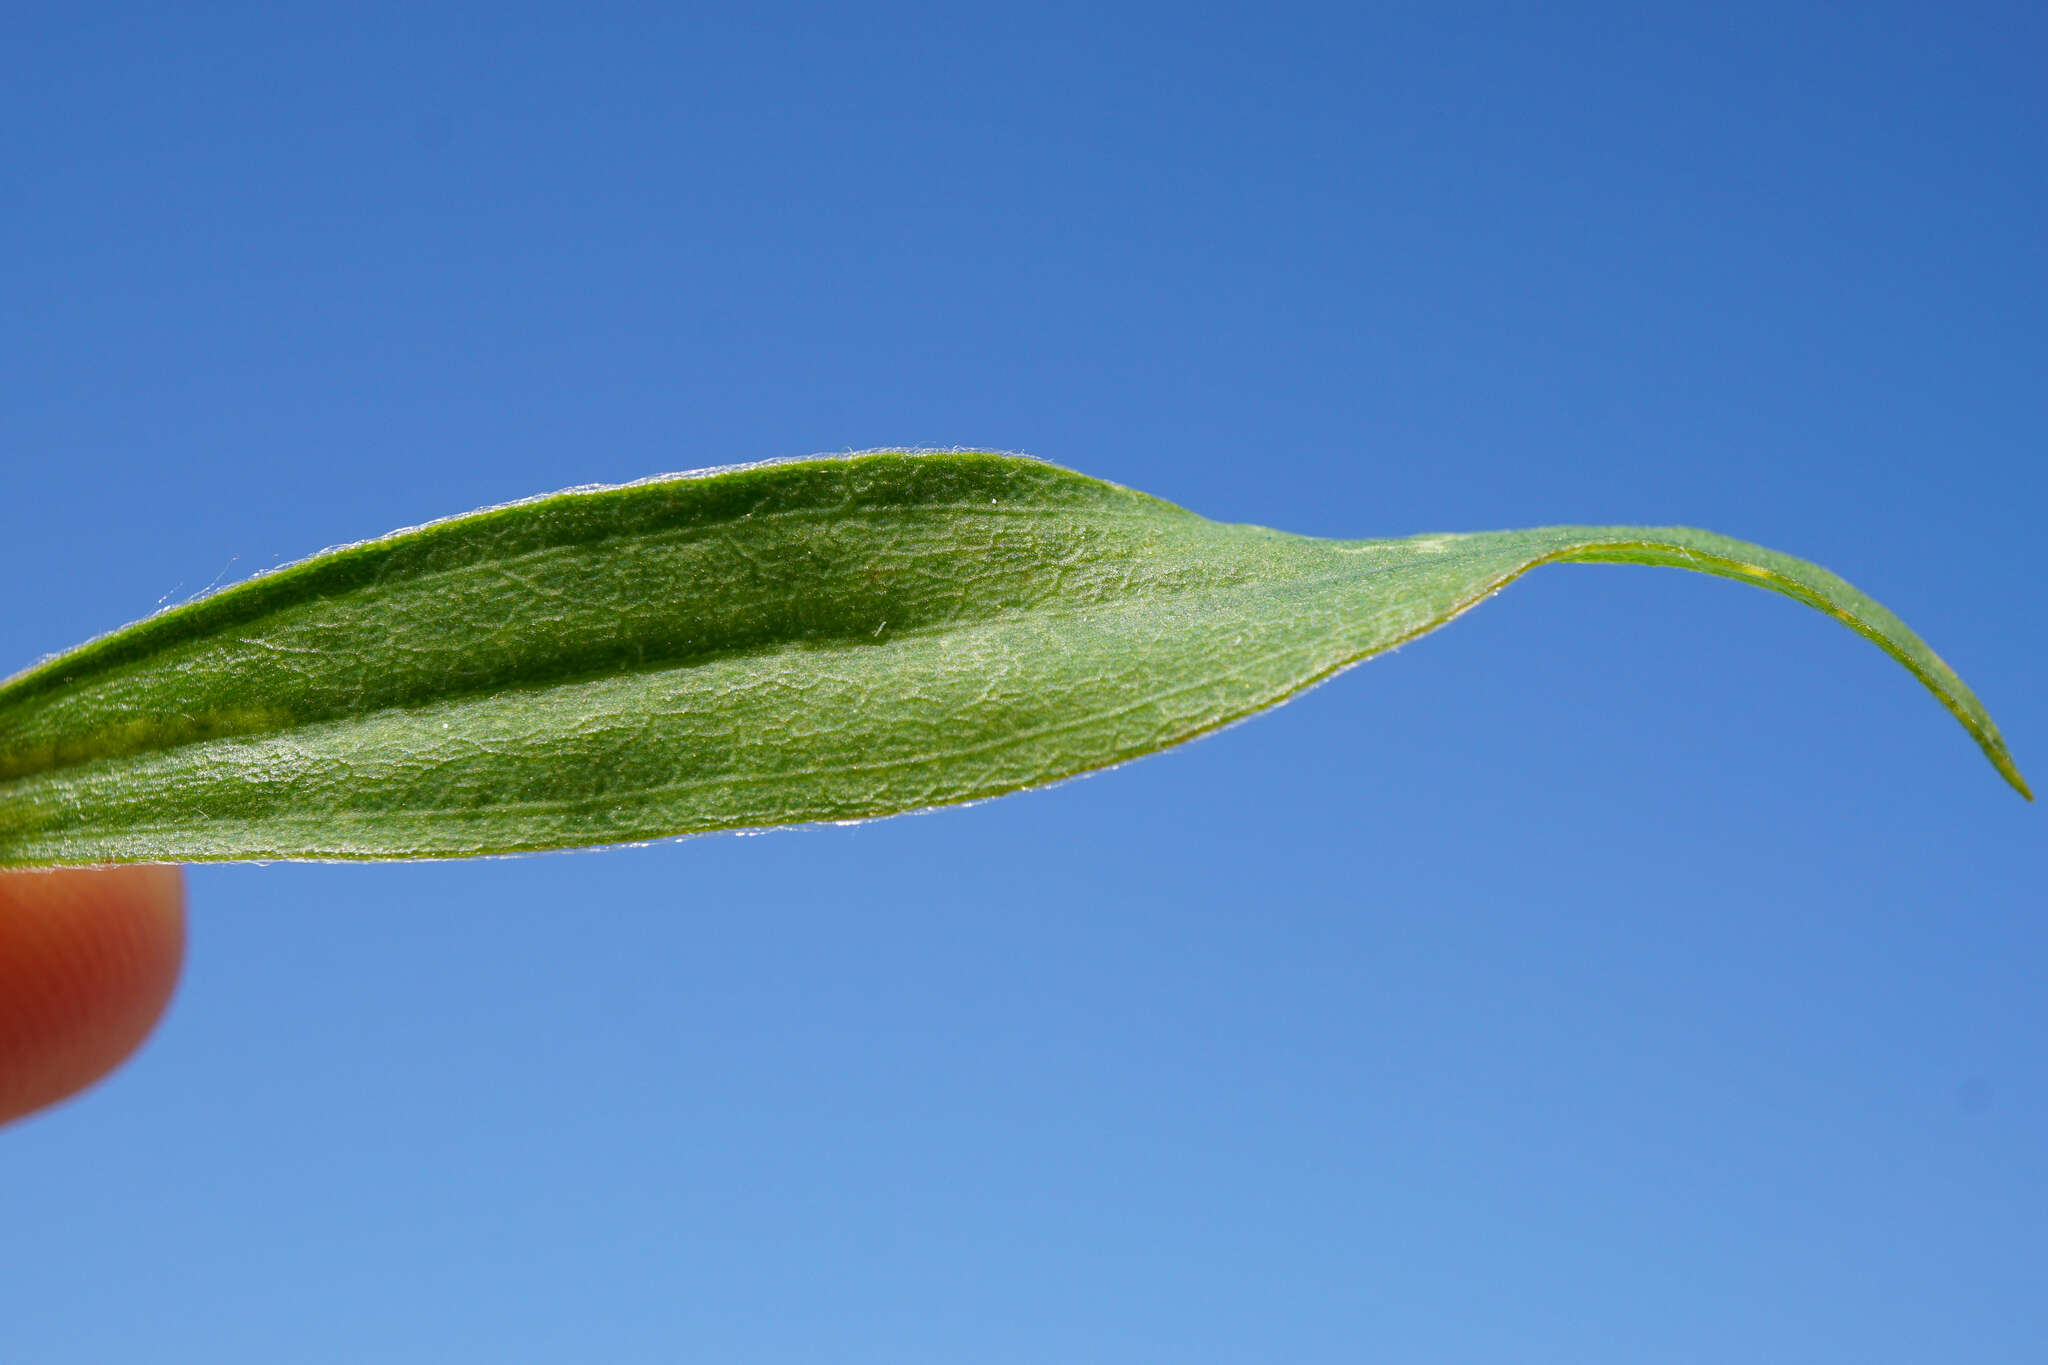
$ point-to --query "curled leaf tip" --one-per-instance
(807, 641)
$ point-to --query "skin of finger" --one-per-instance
(89, 958)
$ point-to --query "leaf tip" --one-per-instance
(1994, 748)
(2012, 775)
(1993, 745)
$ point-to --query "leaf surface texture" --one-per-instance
(826, 639)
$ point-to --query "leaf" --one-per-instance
(826, 639)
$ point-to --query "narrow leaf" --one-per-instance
(826, 639)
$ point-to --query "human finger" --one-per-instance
(89, 958)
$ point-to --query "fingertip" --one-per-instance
(89, 959)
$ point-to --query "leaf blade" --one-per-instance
(817, 640)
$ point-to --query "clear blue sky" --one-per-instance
(1641, 969)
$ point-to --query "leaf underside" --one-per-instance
(816, 640)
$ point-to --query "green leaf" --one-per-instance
(827, 639)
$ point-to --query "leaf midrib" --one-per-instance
(455, 696)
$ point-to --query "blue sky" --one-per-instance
(1639, 969)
